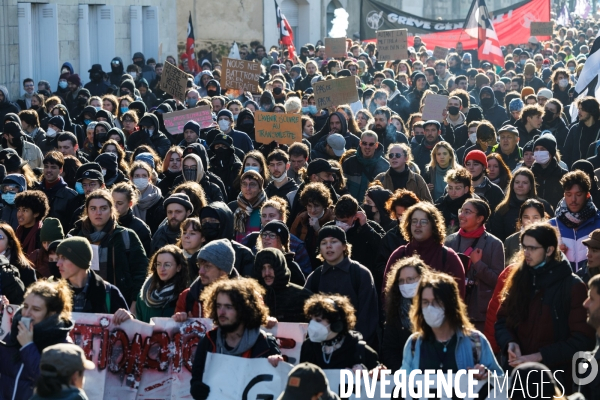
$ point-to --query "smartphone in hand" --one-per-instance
(26, 321)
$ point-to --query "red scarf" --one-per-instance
(29, 242)
(473, 234)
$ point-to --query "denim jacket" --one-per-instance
(464, 353)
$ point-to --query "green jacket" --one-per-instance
(144, 313)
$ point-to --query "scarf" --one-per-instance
(473, 234)
(29, 244)
(98, 237)
(248, 340)
(149, 198)
(158, 297)
(244, 210)
(573, 220)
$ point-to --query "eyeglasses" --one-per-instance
(395, 155)
(268, 235)
(530, 249)
(28, 85)
(367, 144)
(252, 185)
(166, 265)
(421, 222)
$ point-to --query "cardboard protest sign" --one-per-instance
(255, 378)
(440, 53)
(176, 120)
(6, 318)
(290, 336)
(392, 45)
(283, 128)
(435, 104)
(333, 92)
(240, 74)
(541, 28)
(174, 81)
(335, 47)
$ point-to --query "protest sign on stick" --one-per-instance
(440, 53)
(541, 28)
(174, 81)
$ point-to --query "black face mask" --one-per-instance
(82, 101)
(211, 230)
(548, 116)
(190, 174)
(453, 110)
(277, 91)
(222, 153)
(211, 93)
(499, 96)
(125, 93)
(487, 102)
(369, 211)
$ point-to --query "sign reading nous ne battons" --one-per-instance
(279, 127)
(240, 75)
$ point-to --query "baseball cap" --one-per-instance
(593, 240)
(64, 359)
(306, 380)
(320, 165)
(337, 143)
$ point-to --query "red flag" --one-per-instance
(286, 35)
(189, 47)
(479, 25)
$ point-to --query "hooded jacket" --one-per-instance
(198, 82)
(6, 106)
(117, 72)
(575, 147)
(360, 171)
(200, 150)
(158, 141)
(352, 141)
(284, 299)
(147, 71)
(211, 190)
(70, 126)
(548, 183)
(227, 169)
(496, 114)
(248, 128)
(217, 84)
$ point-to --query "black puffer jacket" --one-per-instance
(158, 141)
(496, 114)
(227, 169)
(284, 299)
(548, 181)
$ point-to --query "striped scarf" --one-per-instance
(244, 210)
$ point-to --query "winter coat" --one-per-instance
(555, 325)
(158, 141)
(352, 141)
(63, 200)
(298, 253)
(490, 192)
(399, 104)
(449, 209)
(502, 225)
(483, 273)
(422, 154)
(392, 240)
(143, 312)
(559, 129)
(496, 114)
(189, 299)
(345, 357)
(573, 238)
(21, 364)
(319, 150)
(102, 297)
(282, 191)
(32, 154)
(141, 229)
(415, 184)
(306, 233)
(11, 284)
(228, 170)
(9, 214)
(6, 107)
(167, 183)
(548, 183)
(360, 171)
(572, 145)
(66, 393)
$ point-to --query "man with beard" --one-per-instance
(279, 163)
(592, 305)
(584, 132)
(336, 124)
(553, 122)
(178, 207)
(385, 129)
(238, 312)
(422, 152)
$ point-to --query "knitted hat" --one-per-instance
(528, 146)
(51, 230)
(57, 121)
(225, 113)
(466, 57)
(108, 161)
(526, 91)
(280, 229)
(77, 250)
(547, 93)
(529, 69)
(548, 142)
(221, 138)
(389, 83)
(193, 125)
(481, 80)
(13, 129)
(147, 158)
(220, 253)
(253, 175)
(332, 231)
(181, 199)
(546, 73)
(477, 155)
(475, 113)
(74, 78)
(516, 105)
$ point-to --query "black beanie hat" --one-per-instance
(129, 85)
(332, 231)
(181, 199)
(193, 125)
(108, 161)
(548, 141)
(13, 129)
(280, 229)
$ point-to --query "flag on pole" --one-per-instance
(588, 78)
(286, 36)
(234, 52)
(564, 17)
(189, 47)
(479, 26)
(582, 8)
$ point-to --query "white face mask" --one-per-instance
(103, 172)
(224, 124)
(434, 316)
(473, 137)
(133, 74)
(563, 83)
(281, 178)
(409, 290)
(51, 132)
(541, 156)
(343, 225)
(141, 183)
(317, 332)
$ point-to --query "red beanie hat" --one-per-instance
(479, 156)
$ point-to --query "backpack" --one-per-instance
(475, 346)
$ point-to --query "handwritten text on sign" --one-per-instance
(335, 92)
(174, 81)
(176, 120)
(283, 128)
(392, 44)
(240, 75)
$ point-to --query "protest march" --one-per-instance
(409, 211)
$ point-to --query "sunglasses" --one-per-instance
(367, 144)
(395, 155)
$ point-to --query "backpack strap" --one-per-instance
(360, 351)
(126, 240)
(316, 280)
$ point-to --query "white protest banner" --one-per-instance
(435, 104)
(290, 336)
(254, 378)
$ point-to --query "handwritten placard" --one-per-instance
(434, 107)
(335, 47)
(174, 81)
(333, 92)
(440, 53)
(240, 75)
(541, 28)
(279, 127)
(176, 120)
(392, 45)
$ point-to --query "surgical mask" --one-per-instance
(87, 121)
(522, 62)
(312, 109)
(473, 137)
(190, 174)
(320, 215)
(453, 110)
(79, 188)
(63, 84)
(133, 74)
(98, 108)
(141, 183)
(434, 316)
(572, 69)
(224, 124)
(305, 110)
(252, 168)
(343, 225)
(51, 132)
(317, 332)
(124, 110)
(191, 102)
(235, 117)
(281, 178)
(408, 290)
(103, 172)
(9, 198)
(541, 156)
(563, 83)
